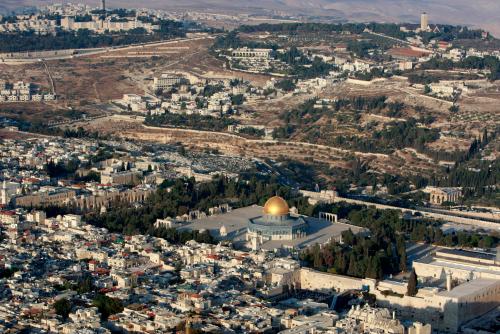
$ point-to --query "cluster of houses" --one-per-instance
(97, 184)
(22, 92)
(162, 286)
(186, 94)
(159, 285)
(23, 23)
(73, 17)
(254, 60)
(405, 55)
(98, 24)
(178, 94)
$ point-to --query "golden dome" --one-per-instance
(276, 206)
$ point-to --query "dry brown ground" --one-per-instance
(83, 82)
(35, 111)
(34, 73)
(478, 110)
(450, 144)
(401, 162)
(104, 77)
(267, 112)
(16, 135)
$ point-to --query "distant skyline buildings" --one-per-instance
(465, 13)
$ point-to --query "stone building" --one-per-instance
(370, 320)
(441, 195)
(251, 53)
(126, 177)
(43, 199)
(461, 264)
(275, 224)
(446, 310)
(94, 202)
(167, 80)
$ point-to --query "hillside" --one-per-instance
(478, 13)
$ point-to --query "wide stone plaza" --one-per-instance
(271, 227)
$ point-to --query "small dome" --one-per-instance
(276, 206)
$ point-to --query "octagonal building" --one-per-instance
(276, 223)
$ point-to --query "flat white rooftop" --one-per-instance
(470, 288)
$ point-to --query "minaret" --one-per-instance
(103, 5)
(188, 327)
(448, 281)
(3, 193)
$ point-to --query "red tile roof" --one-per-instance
(407, 52)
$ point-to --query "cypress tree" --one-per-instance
(412, 284)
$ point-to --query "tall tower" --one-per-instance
(448, 281)
(4, 196)
(424, 21)
(103, 5)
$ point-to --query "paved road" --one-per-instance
(457, 214)
(94, 51)
(50, 78)
(447, 216)
(418, 251)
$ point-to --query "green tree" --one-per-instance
(62, 307)
(237, 99)
(84, 285)
(286, 84)
(107, 306)
(412, 284)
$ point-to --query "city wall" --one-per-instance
(37, 54)
(315, 280)
(425, 308)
